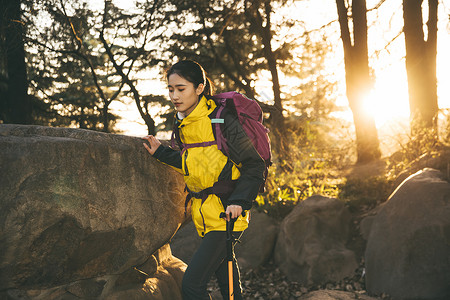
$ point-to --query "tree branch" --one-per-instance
(83, 56)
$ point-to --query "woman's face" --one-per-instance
(183, 94)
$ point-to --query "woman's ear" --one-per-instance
(200, 89)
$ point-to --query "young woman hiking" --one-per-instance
(239, 175)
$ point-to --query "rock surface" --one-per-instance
(185, 242)
(311, 243)
(268, 282)
(333, 295)
(77, 204)
(408, 249)
(257, 242)
(158, 278)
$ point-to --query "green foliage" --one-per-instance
(287, 189)
(313, 167)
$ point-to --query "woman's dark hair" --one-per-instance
(193, 72)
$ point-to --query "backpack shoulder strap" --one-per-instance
(218, 122)
(175, 139)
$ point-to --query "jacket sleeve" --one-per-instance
(250, 163)
(169, 157)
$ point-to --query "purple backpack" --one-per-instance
(250, 116)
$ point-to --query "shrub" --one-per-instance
(310, 167)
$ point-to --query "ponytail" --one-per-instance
(208, 91)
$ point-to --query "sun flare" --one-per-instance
(388, 100)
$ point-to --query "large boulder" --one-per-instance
(257, 242)
(311, 243)
(159, 278)
(408, 248)
(77, 204)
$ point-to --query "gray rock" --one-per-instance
(158, 278)
(408, 249)
(77, 204)
(333, 295)
(185, 242)
(311, 243)
(257, 242)
(164, 281)
(365, 226)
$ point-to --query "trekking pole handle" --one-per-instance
(229, 231)
(230, 224)
(223, 215)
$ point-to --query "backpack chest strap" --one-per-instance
(195, 145)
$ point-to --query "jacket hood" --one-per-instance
(204, 108)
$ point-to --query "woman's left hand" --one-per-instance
(234, 210)
(153, 142)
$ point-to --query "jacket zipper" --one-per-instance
(203, 220)
(186, 171)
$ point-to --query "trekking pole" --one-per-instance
(230, 239)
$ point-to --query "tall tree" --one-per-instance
(421, 63)
(357, 75)
(14, 101)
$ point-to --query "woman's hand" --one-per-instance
(153, 142)
(234, 210)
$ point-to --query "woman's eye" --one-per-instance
(181, 90)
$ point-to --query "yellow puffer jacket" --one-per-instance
(202, 166)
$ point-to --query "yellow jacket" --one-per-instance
(202, 166)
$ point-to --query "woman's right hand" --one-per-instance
(153, 142)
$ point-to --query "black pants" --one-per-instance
(210, 259)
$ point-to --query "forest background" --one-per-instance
(342, 83)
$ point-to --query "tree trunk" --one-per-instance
(281, 146)
(105, 116)
(272, 65)
(421, 64)
(15, 104)
(358, 82)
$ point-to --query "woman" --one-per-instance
(203, 165)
